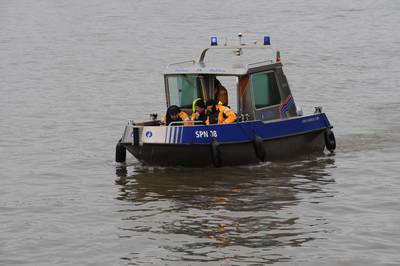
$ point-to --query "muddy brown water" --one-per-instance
(72, 73)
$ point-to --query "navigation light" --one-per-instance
(267, 40)
(214, 41)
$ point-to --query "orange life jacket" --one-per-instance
(225, 115)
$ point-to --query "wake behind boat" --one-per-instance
(268, 124)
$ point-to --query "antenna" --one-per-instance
(240, 35)
(238, 51)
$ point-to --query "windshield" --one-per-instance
(183, 90)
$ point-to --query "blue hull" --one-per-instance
(232, 144)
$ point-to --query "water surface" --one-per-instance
(73, 73)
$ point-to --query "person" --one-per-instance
(174, 114)
(219, 114)
(199, 111)
(220, 93)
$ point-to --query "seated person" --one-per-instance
(220, 93)
(220, 114)
(174, 114)
(199, 111)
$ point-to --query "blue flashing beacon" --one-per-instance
(214, 41)
(267, 40)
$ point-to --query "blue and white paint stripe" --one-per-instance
(174, 135)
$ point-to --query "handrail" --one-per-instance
(182, 62)
(182, 122)
(259, 62)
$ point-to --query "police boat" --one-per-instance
(269, 126)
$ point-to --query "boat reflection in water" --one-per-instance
(240, 215)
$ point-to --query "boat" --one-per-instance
(269, 125)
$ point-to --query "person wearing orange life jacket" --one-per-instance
(174, 114)
(199, 111)
(221, 93)
(219, 114)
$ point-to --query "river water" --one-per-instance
(72, 73)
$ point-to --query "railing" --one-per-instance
(260, 62)
(182, 62)
(185, 123)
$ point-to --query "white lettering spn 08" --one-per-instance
(206, 134)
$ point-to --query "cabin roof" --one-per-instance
(221, 68)
(203, 69)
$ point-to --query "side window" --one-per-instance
(265, 90)
(183, 90)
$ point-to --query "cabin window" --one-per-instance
(265, 90)
(183, 90)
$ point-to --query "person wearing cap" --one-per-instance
(174, 114)
(219, 114)
(199, 111)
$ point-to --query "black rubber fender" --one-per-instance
(120, 152)
(216, 153)
(330, 141)
(259, 149)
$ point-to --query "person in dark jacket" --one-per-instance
(199, 113)
(174, 114)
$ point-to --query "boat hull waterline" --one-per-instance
(238, 143)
